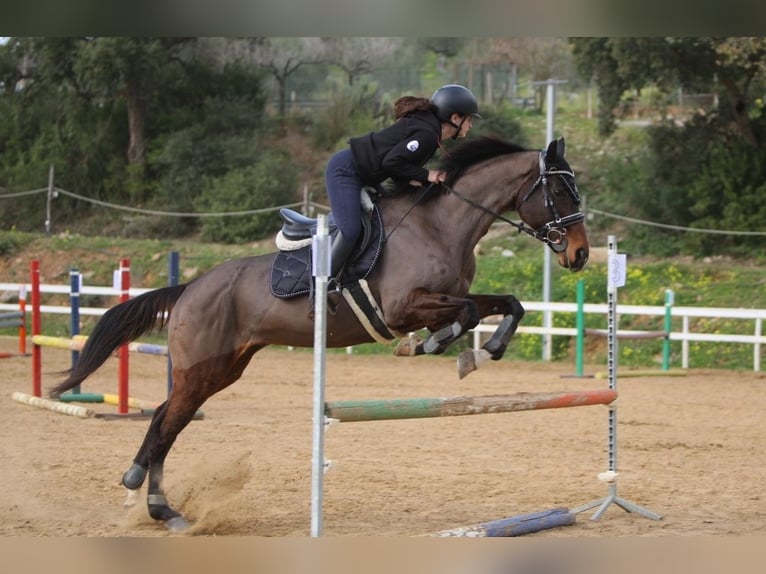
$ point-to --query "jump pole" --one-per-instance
(320, 252)
(580, 322)
(75, 282)
(615, 278)
(37, 389)
(419, 408)
(124, 351)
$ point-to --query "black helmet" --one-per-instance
(454, 99)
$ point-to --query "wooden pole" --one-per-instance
(418, 408)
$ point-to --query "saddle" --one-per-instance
(291, 274)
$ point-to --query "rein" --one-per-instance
(552, 233)
(418, 199)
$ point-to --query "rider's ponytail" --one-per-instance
(408, 104)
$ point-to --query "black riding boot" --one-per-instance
(340, 251)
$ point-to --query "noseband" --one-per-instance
(553, 233)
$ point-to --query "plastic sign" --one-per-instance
(616, 269)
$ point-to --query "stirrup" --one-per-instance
(334, 297)
(333, 300)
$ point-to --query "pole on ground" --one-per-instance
(321, 269)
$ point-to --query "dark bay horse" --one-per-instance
(218, 321)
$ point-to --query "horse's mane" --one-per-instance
(463, 156)
(471, 152)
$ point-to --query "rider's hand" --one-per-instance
(436, 175)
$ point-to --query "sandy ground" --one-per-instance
(691, 448)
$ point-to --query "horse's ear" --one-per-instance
(555, 150)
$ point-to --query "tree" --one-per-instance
(733, 67)
(358, 55)
(124, 120)
(706, 170)
(107, 69)
(540, 59)
(280, 57)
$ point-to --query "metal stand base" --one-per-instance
(603, 504)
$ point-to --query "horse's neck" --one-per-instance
(495, 186)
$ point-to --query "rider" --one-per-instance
(398, 151)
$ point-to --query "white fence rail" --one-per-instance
(685, 335)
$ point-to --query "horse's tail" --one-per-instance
(121, 324)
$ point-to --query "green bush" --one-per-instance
(269, 183)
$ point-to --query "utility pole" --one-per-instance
(550, 108)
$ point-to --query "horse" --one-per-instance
(421, 281)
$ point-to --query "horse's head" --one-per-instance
(552, 209)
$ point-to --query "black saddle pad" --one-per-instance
(291, 271)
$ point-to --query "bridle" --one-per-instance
(553, 233)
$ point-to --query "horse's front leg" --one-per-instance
(512, 311)
(445, 316)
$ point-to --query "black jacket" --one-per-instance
(398, 151)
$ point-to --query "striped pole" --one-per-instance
(78, 342)
(418, 408)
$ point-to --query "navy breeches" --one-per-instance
(344, 188)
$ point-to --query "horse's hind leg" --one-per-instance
(134, 477)
(191, 388)
(165, 428)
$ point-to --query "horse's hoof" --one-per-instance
(407, 345)
(131, 500)
(177, 524)
(469, 360)
(465, 363)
